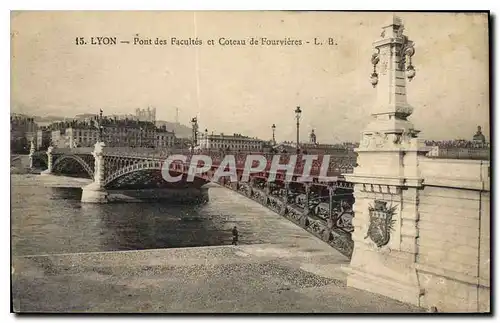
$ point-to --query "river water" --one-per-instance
(48, 218)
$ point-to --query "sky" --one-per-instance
(245, 89)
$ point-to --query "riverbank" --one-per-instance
(283, 278)
(34, 178)
(19, 164)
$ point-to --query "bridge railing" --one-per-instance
(343, 163)
(123, 151)
(336, 166)
(78, 150)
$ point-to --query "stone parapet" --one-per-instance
(465, 174)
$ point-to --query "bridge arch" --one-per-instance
(41, 157)
(77, 159)
(153, 165)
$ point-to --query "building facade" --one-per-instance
(81, 136)
(164, 138)
(59, 139)
(146, 115)
(43, 139)
(115, 133)
(22, 132)
(235, 142)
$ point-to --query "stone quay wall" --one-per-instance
(453, 258)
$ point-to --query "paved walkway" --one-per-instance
(253, 278)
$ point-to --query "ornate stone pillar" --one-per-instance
(387, 180)
(48, 171)
(32, 152)
(98, 164)
(95, 192)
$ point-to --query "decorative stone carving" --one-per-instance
(380, 140)
(381, 223)
(397, 139)
(365, 141)
(374, 140)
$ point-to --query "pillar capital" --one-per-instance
(392, 65)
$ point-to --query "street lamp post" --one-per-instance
(99, 125)
(274, 129)
(297, 116)
(194, 122)
(206, 138)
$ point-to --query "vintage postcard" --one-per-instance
(250, 162)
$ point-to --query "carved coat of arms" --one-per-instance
(381, 223)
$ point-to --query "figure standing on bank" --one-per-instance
(235, 236)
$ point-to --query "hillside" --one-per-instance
(181, 131)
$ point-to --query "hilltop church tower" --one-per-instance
(312, 137)
(148, 114)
